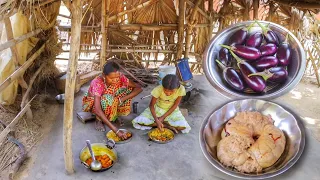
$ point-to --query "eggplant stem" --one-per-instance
(287, 38)
(264, 74)
(239, 60)
(221, 65)
(264, 29)
(225, 46)
(251, 25)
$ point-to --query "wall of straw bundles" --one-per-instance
(20, 26)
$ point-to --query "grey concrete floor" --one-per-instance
(181, 159)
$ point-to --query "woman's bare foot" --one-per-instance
(99, 126)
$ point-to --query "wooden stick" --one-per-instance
(299, 4)
(132, 27)
(315, 69)
(103, 33)
(32, 79)
(2, 17)
(143, 5)
(182, 6)
(256, 9)
(130, 74)
(191, 23)
(14, 51)
(19, 72)
(198, 9)
(211, 13)
(68, 17)
(10, 127)
(76, 9)
(19, 39)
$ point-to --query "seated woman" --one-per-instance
(110, 96)
(163, 110)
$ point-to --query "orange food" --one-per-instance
(104, 160)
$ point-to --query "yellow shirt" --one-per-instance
(164, 101)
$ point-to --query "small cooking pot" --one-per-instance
(99, 149)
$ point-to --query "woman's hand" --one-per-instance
(161, 119)
(122, 135)
(159, 124)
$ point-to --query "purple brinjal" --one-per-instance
(248, 53)
(270, 36)
(268, 49)
(274, 74)
(225, 57)
(265, 63)
(284, 52)
(239, 37)
(231, 76)
(254, 40)
(256, 83)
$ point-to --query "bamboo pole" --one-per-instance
(19, 39)
(16, 60)
(32, 79)
(132, 27)
(182, 6)
(256, 9)
(143, 5)
(200, 10)
(76, 10)
(106, 25)
(191, 22)
(211, 11)
(19, 72)
(103, 33)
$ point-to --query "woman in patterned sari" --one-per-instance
(110, 96)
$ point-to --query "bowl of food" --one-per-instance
(104, 153)
(252, 139)
(254, 59)
(111, 135)
(162, 137)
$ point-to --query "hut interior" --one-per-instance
(39, 45)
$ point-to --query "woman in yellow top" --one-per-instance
(163, 110)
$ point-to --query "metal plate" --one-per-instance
(158, 141)
(296, 67)
(120, 142)
(290, 124)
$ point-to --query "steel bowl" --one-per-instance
(99, 149)
(295, 69)
(290, 124)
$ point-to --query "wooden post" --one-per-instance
(211, 11)
(191, 22)
(103, 34)
(76, 11)
(255, 9)
(182, 6)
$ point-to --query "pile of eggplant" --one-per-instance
(259, 58)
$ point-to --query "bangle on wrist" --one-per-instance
(117, 131)
(120, 102)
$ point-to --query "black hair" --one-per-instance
(110, 67)
(170, 82)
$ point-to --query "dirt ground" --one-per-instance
(30, 134)
(305, 98)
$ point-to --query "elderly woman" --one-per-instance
(110, 96)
